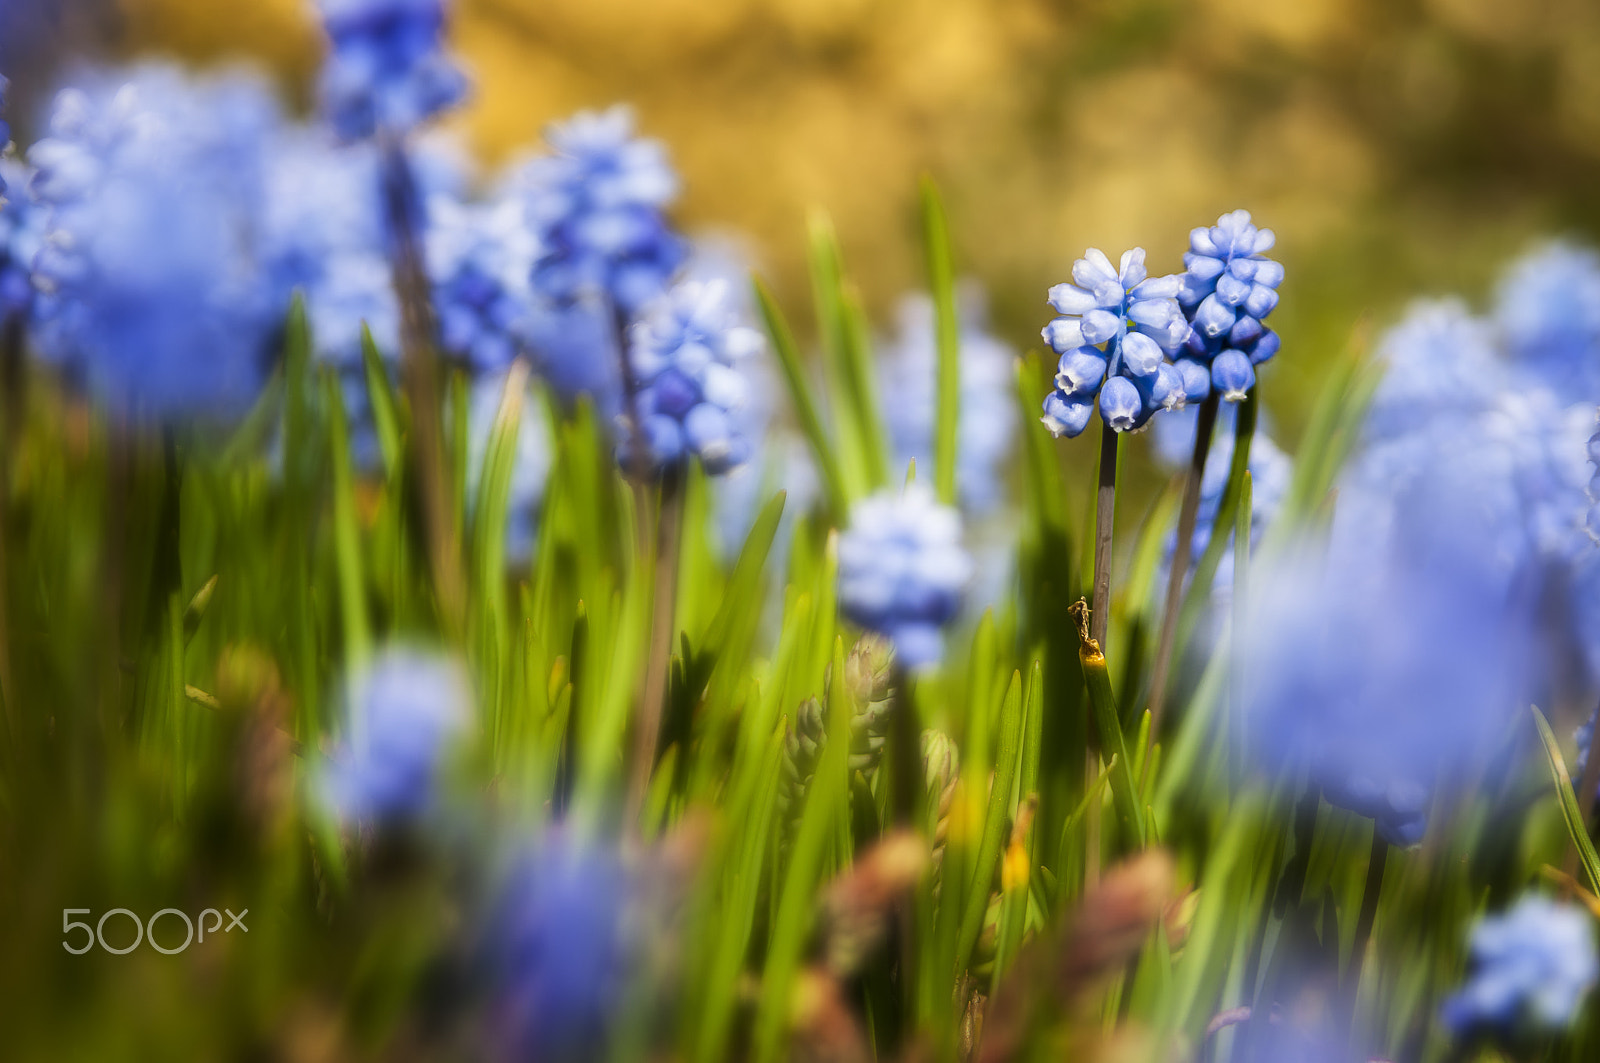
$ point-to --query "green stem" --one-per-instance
(1369, 914)
(1187, 516)
(1108, 723)
(1105, 508)
(669, 529)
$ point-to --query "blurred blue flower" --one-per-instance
(595, 205)
(560, 951)
(685, 354)
(1228, 286)
(153, 292)
(1530, 969)
(1592, 522)
(1386, 657)
(908, 371)
(1115, 329)
(902, 570)
(530, 468)
(479, 257)
(1547, 312)
(1439, 362)
(405, 707)
(21, 234)
(5, 127)
(386, 71)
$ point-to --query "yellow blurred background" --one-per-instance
(1398, 147)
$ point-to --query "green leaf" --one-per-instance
(996, 822)
(1571, 811)
(386, 416)
(805, 405)
(941, 284)
(346, 532)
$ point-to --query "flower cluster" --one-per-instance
(1531, 968)
(386, 70)
(1116, 327)
(988, 400)
(559, 951)
(1592, 523)
(404, 709)
(1228, 286)
(902, 570)
(153, 290)
(480, 258)
(684, 355)
(21, 233)
(595, 204)
(1547, 315)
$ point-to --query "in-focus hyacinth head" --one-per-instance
(595, 204)
(1385, 660)
(21, 233)
(902, 570)
(1116, 327)
(1547, 313)
(559, 951)
(685, 354)
(386, 71)
(1530, 969)
(153, 289)
(530, 465)
(406, 707)
(1228, 286)
(479, 257)
(988, 400)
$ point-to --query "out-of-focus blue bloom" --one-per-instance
(1115, 329)
(1439, 363)
(1387, 660)
(479, 257)
(902, 570)
(405, 708)
(560, 951)
(1228, 286)
(153, 291)
(530, 468)
(595, 204)
(386, 70)
(1530, 970)
(908, 371)
(1547, 312)
(685, 354)
(1592, 522)
(5, 127)
(21, 234)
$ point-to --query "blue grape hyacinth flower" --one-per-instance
(1116, 327)
(1547, 314)
(386, 71)
(1530, 970)
(405, 708)
(988, 399)
(559, 950)
(21, 234)
(596, 206)
(153, 289)
(479, 258)
(902, 570)
(1592, 521)
(5, 127)
(1229, 286)
(685, 356)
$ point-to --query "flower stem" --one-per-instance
(1105, 505)
(1187, 515)
(420, 376)
(647, 735)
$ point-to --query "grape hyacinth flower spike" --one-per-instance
(902, 570)
(1593, 520)
(1116, 328)
(1530, 970)
(1229, 286)
(404, 708)
(386, 72)
(685, 355)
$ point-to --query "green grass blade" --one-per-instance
(805, 405)
(996, 822)
(386, 417)
(1571, 811)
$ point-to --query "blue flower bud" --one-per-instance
(1121, 404)
(1232, 375)
(1067, 415)
(1080, 371)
